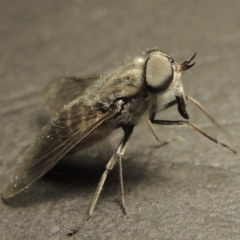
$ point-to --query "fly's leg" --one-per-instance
(153, 131)
(188, 123)
(123, 205)
(161, 142)
(117, 157)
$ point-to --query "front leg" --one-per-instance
(171, 122)
(180, 123)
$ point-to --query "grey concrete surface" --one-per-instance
(188, 189)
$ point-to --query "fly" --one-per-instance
(88, 109)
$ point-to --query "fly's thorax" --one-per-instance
(122, 82)
(133, 109)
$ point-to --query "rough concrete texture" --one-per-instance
(188, 189)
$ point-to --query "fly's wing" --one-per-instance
(61, 91)
(76, 123)
(69, 128)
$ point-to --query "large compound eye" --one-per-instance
(159, 73)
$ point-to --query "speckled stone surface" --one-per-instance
(188, 189)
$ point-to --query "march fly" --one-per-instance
(88, 109)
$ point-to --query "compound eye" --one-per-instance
(159, 73)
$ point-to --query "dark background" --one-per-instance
(188, 189)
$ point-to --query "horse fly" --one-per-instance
(88, 109)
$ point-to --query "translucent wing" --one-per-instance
(61, 91)
(78, 125)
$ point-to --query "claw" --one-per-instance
(186, 64)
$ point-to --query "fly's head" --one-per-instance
(163, 78)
